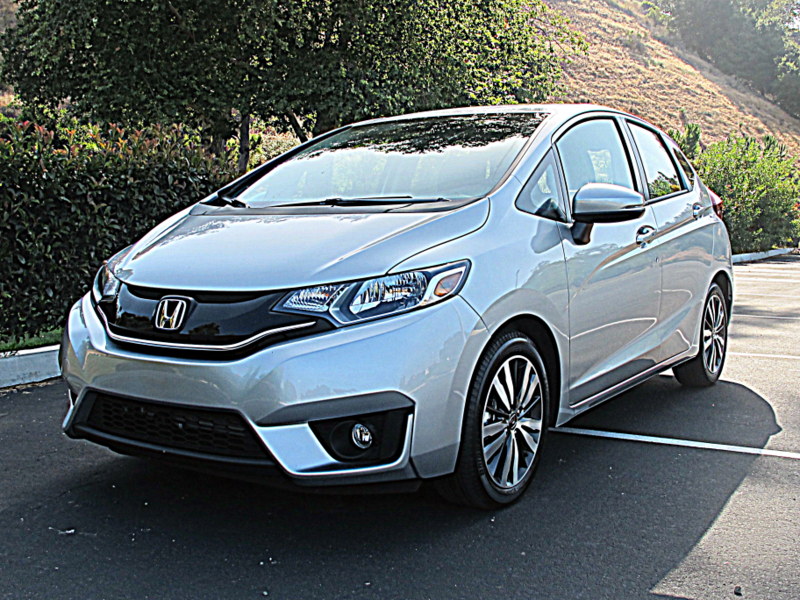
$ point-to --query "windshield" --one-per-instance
(422, 159)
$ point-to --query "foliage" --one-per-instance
(265, 143)
(314, 63)
(756, 40)
(395, 56)
(655, 13)
(72, 196)
(688, 139)
(140, 61)
(759, 184)
(634, 41)
(47, 338)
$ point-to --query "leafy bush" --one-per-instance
(265, 143)
(688, 139)
(656, 14)
(760, 186)
(634, 40)
(72, 196)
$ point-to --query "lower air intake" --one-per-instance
(215, 432)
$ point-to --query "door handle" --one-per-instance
(697, 210)
(644, 234)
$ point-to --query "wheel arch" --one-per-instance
(542, 335)
(724, 281)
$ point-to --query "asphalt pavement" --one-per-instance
(605, 518)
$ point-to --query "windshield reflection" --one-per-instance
(455, 157)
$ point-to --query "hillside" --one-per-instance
(632, 65)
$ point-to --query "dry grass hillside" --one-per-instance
(629, 67)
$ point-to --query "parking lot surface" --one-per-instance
(605, 518)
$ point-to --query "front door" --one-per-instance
(614, 280)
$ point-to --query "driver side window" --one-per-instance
(592, 152)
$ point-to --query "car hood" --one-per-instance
(248, 252)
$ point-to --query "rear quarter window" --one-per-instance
(688, 170)
(659, 169)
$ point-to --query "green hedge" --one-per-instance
(757, 180)
(73, 196)
(760, 186)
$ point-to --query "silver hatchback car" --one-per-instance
(405, 299)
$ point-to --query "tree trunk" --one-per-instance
(325, 122)
(220, 131)
(244, 143)
(217, 144)
(298, 129)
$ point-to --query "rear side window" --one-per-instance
(660, 171)
(541, 196)
(686, 166)
(592, 152)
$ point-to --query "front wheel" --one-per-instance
(705, 368)
(505, 426)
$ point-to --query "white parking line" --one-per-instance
(754, 355)
(753, 279)
(649, 439)
(738, 314)
(792, 296)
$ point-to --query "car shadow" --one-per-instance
(603, 519)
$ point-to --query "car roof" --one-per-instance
(560, 112)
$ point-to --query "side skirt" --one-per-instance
(629, 383)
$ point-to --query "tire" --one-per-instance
(705, 368)
(503, 433)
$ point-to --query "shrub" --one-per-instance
(688, 139)
(634, 41)
(265, 143)
(760, 186)
(72, 196)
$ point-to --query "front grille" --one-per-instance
(214, 432)
(211, 322)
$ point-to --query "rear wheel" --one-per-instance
(705, 368)
(505, 426)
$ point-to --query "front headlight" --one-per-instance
(378, 297)
(106, 285)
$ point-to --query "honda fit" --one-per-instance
(406, 299)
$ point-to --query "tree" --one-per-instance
(141, 61)
(688, 139)
(756, 40)
(313, 63)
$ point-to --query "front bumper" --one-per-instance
(421, 361)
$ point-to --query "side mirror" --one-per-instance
(603, 203)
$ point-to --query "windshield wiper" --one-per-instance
(220, 200)
(363, 201)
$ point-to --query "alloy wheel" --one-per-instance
(715, 322)
(512, 421)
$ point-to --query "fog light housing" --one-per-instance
(368, 439)
(361, 436)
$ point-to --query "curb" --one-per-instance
(742, 258)
(38, 364)
(28, 366)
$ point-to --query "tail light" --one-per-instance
(716, 203)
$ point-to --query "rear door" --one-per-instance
(684, 241)
(614, 280)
